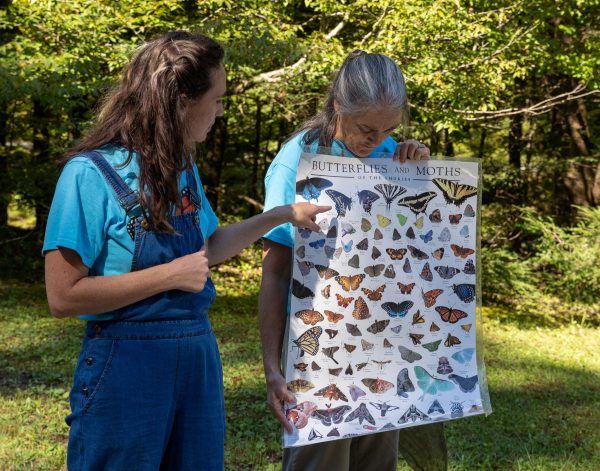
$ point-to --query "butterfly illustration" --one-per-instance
(375, 253)
(396, 254)
(317, 244)
(347, 228)
(335, 371)
(332, 252)
(378, 326)
(301, 366)
(397, 309)
(329, 352)
(456, 409)
(469, 211)
(469, 268)
(349, 370)
(333, 316)
(450, 315)
(406, 268)
(417, 204)
(413, 414)
(409, 355)
(377, 385)
(332, 232)
(383, 407)
(331, 333)
(451, 340)
(417, 318)
(438, 253)
(435, 216)
(310, 188)
(347, 246)
(363, 244)
(325, 272)
(366, 198)
(381, 364)
(427, 237)
(331, 415)
(377, 235)
(444, 235)
(383, 220)
(341, 201)
(462, 252)
(446, 272)
(304, 233)
(406, 289)
(354, 262)
(332, 392)
(396, 329)
(342, 301)
(426, 273)
(453, 192)
(404, 384)
(390, 272)
(334, 432)
(401, 219)
(353, 330)
(436, 408)
(429, 384)
(465, 384)
(430, 296)
(465, 292)
(301, 251)
(366, 345)
(434, 327)
(356, 392)
(365, 225)
(410, 233)
(309, 316)
(309, 341)
(304, 266)
(361, 310)
(361, 413)
(419, 222)
(374, 295)
(454, 218)
(326, 291)
(349, 348)
(416, 338)
(396, 235)
(466, 327)
(387, 344)
(350, 282)
(300, 385)
(360, 366)
(463, 356)
(389, 192)
(313, 435)
(374, 270)
(301, 291)
(465, 231)
(432, 346)
(315, 366)
(417, 254)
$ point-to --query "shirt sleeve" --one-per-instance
(208, 219)
(78, 212)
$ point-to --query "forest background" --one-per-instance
(513, 83)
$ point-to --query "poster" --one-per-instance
(382, 331)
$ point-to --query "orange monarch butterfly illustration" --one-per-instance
(450, 315)
(309, 341)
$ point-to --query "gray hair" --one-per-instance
(363, 81)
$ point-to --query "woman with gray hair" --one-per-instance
(367, 101)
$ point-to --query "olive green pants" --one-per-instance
(423, 447)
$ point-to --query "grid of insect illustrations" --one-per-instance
(382, 330)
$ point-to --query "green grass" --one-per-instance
(544, 386)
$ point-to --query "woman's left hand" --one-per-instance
(411, 150)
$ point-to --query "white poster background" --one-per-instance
(387, 363)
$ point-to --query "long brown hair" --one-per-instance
(144, 113)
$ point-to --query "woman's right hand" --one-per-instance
(190, 272)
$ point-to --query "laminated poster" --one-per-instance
(383, 329)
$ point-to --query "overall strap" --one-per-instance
(192, 184)
(128, 199)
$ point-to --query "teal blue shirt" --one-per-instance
(280, 180)
(86, 217)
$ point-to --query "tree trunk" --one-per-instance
(481, 149)
(256, 155)
(577, 121)
(211, 161)
(42, 156)
(5, 193)
(515, 135)
(583, 184)
(448, 146)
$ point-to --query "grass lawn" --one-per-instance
(544, 386)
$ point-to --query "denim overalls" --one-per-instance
(148, 387)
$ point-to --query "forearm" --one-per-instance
(272, 303)
(229, 240)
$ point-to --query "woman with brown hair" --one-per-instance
(128, 246)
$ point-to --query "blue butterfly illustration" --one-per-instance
(347, 246)
(465, 292)
(463, 356)
(466, 384)
(397, 309)
(444, 235)
(367, 198)
(317, 244)
(465, 232)
(341, 201)
(304, 233)
(427, 237)
(310, 189)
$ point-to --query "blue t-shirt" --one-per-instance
(280, 180)
(86, 217)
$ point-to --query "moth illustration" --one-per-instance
(361, 413)
(413, 414)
